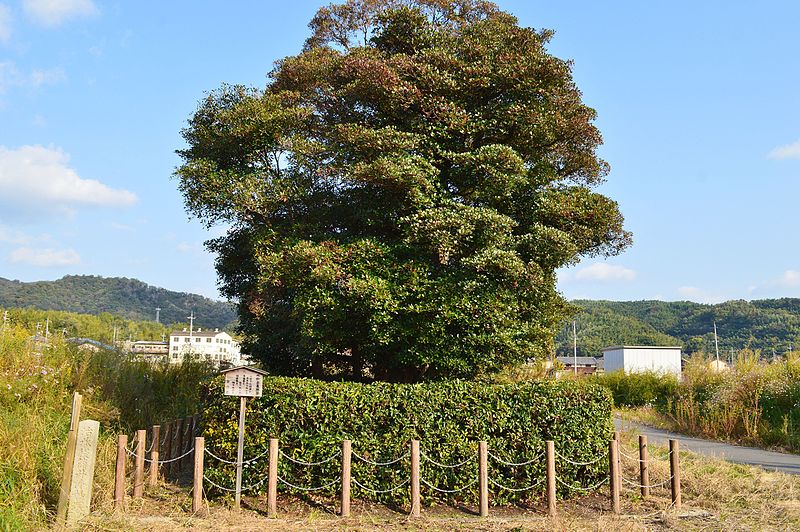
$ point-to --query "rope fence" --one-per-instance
(177, 449)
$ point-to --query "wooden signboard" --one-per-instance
(243, 382)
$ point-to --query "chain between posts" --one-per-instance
(446, 466)
(599, 458)
(381, 464)
(309, 489)
(581, 488)
(244, 488)
(501, 486)
(515, 464)
(462, 488)
(301, 462)
(245, 462)
(380, 492)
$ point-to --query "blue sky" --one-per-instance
(697, 102)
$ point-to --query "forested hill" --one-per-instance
(761, 324)
(128, 298)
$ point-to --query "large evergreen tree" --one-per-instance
(401, 193)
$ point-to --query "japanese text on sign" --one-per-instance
(243, 384)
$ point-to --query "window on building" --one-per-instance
(186, 339)
(197, 340)
(208, 340)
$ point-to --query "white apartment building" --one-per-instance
(214, 346)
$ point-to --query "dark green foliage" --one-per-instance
(127, 298)
(311, 418)
(401, 193)
(763, 324)
(638, 389)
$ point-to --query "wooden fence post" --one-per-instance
(415, 504)
(347, 456)
(483, 478)
(613, 472)
(550, 455)
(177, 446)
(138, 472)
(155, 451)
(675, 472)
(119, 473)
(168, 434)
(272, 481)
(197, 490)
(644, 471)
(69, 457)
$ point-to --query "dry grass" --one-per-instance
(717, 495)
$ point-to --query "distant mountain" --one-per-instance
(128, 298)
(769, 324)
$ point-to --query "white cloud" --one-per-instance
(5, 23)
(693, 293)
(45, 257)
(35, 180)
(789, 151)
(600, 271)
(789, 279)
(49, 76)
(11, 76)
(55, 12)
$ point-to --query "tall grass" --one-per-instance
(755, 401)
(36, 386)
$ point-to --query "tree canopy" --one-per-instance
(401, 193)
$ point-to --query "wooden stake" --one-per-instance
(197, 490)
(177, 446)
(644, 471)
(155, 452)
(675, 472)
(167, 447)
(550, 458)
(69, 458)
(272, 481)
(613, 472)
(138, 472)
(188, 423)
(237, 501)
(119, 473)
(415, 504)
(483, 478)
(346, 459)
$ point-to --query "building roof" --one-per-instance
(614, 347)
(83, 341)
(199, 334)
(248, 368)
(581, 361)
(149, 342)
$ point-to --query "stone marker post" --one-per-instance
(80, 494)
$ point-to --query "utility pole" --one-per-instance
(158, 311)
(716, 343)
(190, 317)
(574, 349)
(47, 329)
(5, 320)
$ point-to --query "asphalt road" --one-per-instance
(786, 463)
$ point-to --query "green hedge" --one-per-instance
(311, 418)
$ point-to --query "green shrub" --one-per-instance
(638, 389)
(311, 418)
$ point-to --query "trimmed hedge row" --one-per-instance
(311, 418)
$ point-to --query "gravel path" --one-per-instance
(784, 462)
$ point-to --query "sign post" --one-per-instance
(242, 382)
